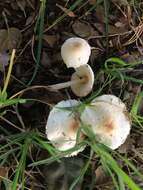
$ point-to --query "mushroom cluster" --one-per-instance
(75, 53)
(106, 115)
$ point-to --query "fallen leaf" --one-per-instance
(100, 175)
(10, 39)
(50, 39)
(3, 173)
(3, 178)
(82, 29)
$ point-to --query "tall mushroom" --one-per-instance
(75, 52)
(63, 125)
(109, 120)
(81, 81)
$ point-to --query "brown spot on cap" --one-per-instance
(77, 44)
(74, 125)
(109, 126)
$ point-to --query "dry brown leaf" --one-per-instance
(10, 39)
(67, 11)
(82, 29)
(101, 176)
(102, 180)
(50, 39)
(3, 172)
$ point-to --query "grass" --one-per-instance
(21, 143)
(24, 141)
(4, 100)
(39, 29)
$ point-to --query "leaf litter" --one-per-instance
(125, 40)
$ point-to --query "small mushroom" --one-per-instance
(75, 52)
(108, 117)
(81, 81)
(63, 125)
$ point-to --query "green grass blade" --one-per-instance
(113, 61)
(58, 156)
(136, 104)
(40, 37)
(21, 167)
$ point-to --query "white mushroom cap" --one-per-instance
(62, 126)
(110, 99)
(86, 75)
(75, 52)
(109, 120)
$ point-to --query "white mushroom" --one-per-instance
(108, 117)
(81, 81)
(75, 52)
(84, 88)
(63, 125)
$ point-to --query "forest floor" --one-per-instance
(37, 29)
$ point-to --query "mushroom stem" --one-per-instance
(67, 84)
